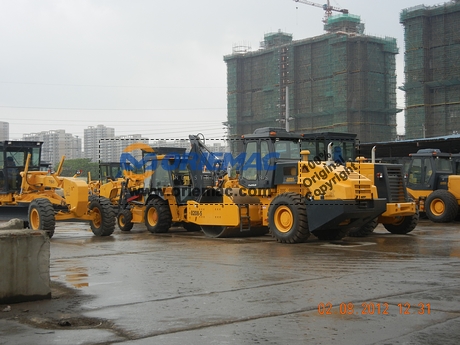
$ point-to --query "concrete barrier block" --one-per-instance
(12, 224)
(24, 266)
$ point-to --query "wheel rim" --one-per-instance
(437, 207)
(121, 220)
(283, 219)
(34, 219)
(97, 217)
(152, 216)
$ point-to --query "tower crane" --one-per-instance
(326, 7)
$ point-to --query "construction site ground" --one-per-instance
(183, 288)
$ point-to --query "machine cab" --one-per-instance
(13, 156)
(343, 146)
(169, 171)
(429, 169)
(456, 163)
(271, 158)
(110, 171)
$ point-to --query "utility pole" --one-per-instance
(287, 108)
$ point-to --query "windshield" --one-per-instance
(287, 149)
(342, 150)
(443, 164)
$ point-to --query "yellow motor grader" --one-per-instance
(277, 189)
(40, 198)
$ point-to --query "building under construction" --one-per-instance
(342, 81)
(432, 69)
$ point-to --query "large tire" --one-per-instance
(365, 230)
(404, 225)
(287, 218)
(103, 222)
(124, 220)
(158, 217)
(41, 216)
(441, 206)
(331, 234)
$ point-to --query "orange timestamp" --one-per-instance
(373, 308)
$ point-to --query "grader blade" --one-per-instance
(8, 212)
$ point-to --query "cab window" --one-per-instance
(288, 149)
(249, 167)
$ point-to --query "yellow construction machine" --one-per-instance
(127, 184)
(277, 189)
(433, 179)
(401, 214)
(40, 198)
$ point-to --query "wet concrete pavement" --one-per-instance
(183, 288)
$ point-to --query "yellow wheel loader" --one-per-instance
(401, 214)
(41, 198)
(433, 179)
(277, 189)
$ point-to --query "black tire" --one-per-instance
(124, 220)
(41, 216)
(103, 222)
(157, 216)
(287, 218)
(441, 206)
(191, 227)
(404, 225)
(331, 234)
(365, 230)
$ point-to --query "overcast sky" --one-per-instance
(146, 66)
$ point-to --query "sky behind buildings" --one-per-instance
(147, 67)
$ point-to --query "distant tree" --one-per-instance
(71, 166)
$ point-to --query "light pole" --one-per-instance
(287, 117)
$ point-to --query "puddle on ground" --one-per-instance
(346, 244)
(72, 272)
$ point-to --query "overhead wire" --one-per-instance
(114, 86)
(122, 127)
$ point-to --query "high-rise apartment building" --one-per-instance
(102, 145)
(57, 143)
(97, 143)
(4, 131)
(432, 69)
(116, 146)
(342, 81)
